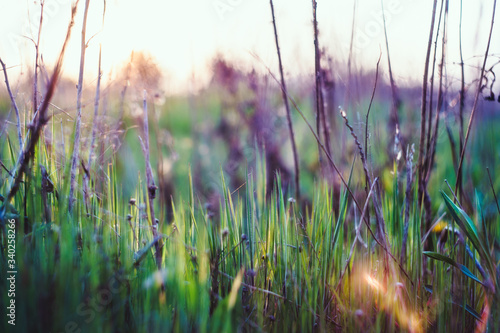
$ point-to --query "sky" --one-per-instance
(183, 36)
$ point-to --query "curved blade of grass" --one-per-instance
(470, 310)
(440, 257)
(473, 312)
(448, 260)
(480, 216)
(469, 228)
(469, 274)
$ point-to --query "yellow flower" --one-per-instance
(440, 226)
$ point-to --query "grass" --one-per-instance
(261, 264)
(234, 248)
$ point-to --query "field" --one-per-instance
(255, 203)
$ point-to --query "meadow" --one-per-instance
(254, 204)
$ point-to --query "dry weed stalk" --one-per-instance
(462, 98)
(287, 107)
(76, 144)
(14, 105)
(95, 123)
(321, 120)
(40, 119)
(493, 190)
(396, 101)
(440, 103)
(94, 128)
(37, 57)
(151, 186)
(476, 98)
(423, 120)
(431, 94)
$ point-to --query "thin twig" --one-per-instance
(5, 168)
(287, 107)
(371, 102)
(97, 96)
(14, 105)
(151, 190)
(37, 47)
(40, 119)
(493, 190)
(440, 102)
(76, 144)
(462, 97)
(438, 220)
(94, 124)
(454, 195)
(321, 121)
(347, 94)
(474, 108)
(253, 288)
(86, 182)
(421, 163)
(394, 118)
(431, 92)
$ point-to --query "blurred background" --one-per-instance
(183, 36)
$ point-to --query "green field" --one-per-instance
(184, 214)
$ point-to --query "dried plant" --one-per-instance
(287, 107)
(75, 158)
(40, 119)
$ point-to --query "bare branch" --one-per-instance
(370, 105)
(37, 56)
(478, 91)
(76, 144)
(287, 107)
(462, 96)
(40, 119)
(423, 121)
(14, 105)
(321, 121)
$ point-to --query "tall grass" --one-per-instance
(261, 265)
(346, 255)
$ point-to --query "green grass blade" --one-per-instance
(448, 260)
